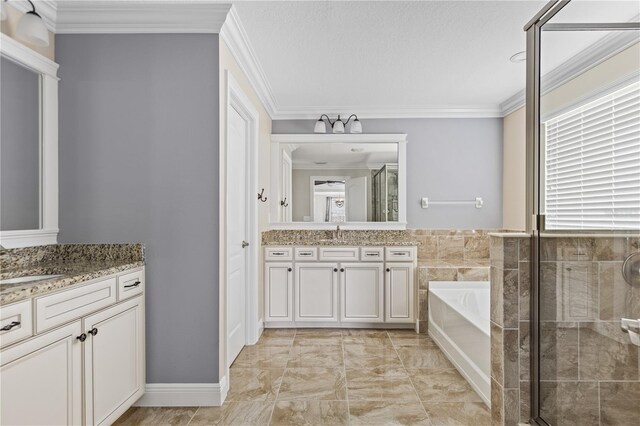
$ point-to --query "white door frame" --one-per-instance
(237, 100)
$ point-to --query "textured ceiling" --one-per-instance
(380, 56)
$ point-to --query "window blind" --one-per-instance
(592, 164)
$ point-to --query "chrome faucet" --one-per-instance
(337, 234)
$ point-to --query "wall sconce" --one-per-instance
(338, 125)
(31, 28)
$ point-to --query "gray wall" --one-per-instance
(447, 159)
(19, 149)
(139, 163)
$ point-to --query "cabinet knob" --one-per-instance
(289, 269)
(93, 331)
(388, 270)
(341, 269)
(136, 284)
(335, 269)
(82, 337)
(10, 326)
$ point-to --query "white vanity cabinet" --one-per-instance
(339, 286)
(87, 365)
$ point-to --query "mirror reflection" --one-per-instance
(19, 147)
(339, 182)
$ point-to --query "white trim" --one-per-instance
(139, 17)
(236, 39)
(418, 111)
(239, 101)
(47, 69)
(392, 226)
(593, 55)
(339, 138)
(184, 394)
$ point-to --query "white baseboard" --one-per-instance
(184, 394)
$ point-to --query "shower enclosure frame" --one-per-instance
(535, 220)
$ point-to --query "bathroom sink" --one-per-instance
(28, 278)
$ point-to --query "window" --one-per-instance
(592, 164)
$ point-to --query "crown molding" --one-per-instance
(140, 17)
(363, 111)
(583, 61)
(236, 39)
(47, 9)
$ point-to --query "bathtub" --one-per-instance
(459, 324)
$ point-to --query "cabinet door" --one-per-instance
(42, 379)
(399, 293)
(362, 292)
(113, 361)
(278, 298)
(316, 292)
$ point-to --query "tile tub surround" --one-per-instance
(349, 238)
(75, 262)
(335, 377)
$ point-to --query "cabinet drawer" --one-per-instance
(18, 319)
(306, 253)
(339, 253)
(278, 253)
(67, 305)
(400, 254)
(372, 254)
(130, 284)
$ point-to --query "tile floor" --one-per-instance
(335, 377)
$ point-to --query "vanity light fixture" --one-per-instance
(338, 125)
(31, 28)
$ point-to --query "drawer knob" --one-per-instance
(10, 326)
(289, 269)
(93, 331)
(335, 269)
(82, 337)
(341, 269)
(136, 284)
(388, 269)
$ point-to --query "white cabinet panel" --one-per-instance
(16, 320)
(399, 292)
(362, 292)
(131, 284)
(42, 379)
(316, 292)
(114, 361)
(278, 297)
(278, 253)
(339, 254)
(400, 254)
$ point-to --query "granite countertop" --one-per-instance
(291, 237)
(74, 263)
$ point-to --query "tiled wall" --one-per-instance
(589, 369)
(449, 255)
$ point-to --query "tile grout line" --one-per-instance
(284, 371)
(410, 380)
(194, 414)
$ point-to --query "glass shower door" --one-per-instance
(587, 201)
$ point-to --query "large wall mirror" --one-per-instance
(322, 181)
(28, 146)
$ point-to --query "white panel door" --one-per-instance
(362, 291)
(278, 291)
(41, 379)
(113, 361)
(399, 293)
(357, 200)
(316, 292)
(237, 233)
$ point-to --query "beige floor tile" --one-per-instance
(161, 416)
(364, 332)
(366, 341)
(234, 413)
(316, 356)
(313, 383)
(412, 339)
(317, 340)
(359, 356)
(275, 340)
(311, 413)
(380, 384)
(319, 332)
(279, 332)
(423, 357)
(263, 357)
(442, 386)
(458, 414)
(254, 384)
(387, 413)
